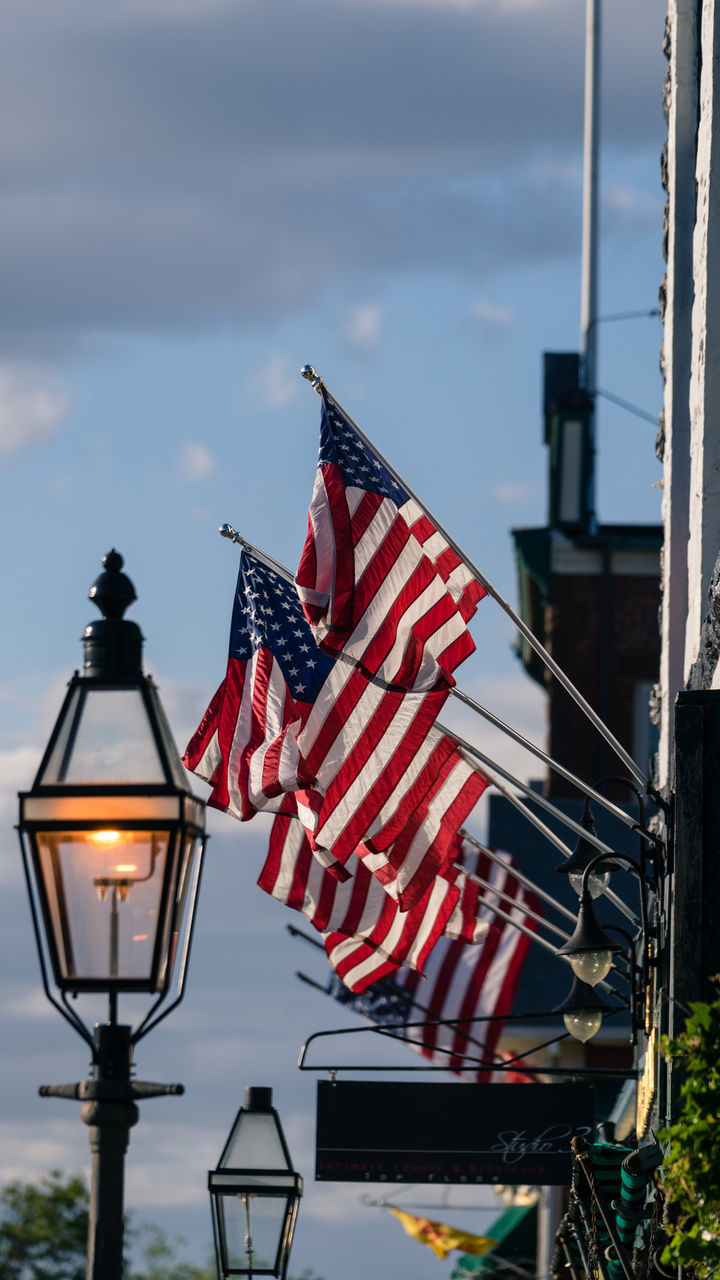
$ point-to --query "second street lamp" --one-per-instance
(254, 1193)
(112, 840)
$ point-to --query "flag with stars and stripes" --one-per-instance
(360, 757)
(461, 979)
(246, 743)
(376, 578)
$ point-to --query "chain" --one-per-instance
(657, 1209)
(594, 1252)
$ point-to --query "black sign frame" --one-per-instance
(458, 1134)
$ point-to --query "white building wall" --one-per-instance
(682, 110)
(704, 521)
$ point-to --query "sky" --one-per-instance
(198, 197)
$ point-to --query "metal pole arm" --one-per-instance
(110, 1090)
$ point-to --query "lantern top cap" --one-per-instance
(112, 591)
(113, 644)
(582, 996)
(583, 851)
(258, 1098)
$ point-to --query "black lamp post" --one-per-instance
(254, 1193)
(112, 840)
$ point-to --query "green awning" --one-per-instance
(516, 1234)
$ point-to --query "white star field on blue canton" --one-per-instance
(358, 463)
(267, 614)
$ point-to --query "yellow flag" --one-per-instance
(440, 1237)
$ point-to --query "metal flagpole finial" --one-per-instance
(313, 378)
(227, 531)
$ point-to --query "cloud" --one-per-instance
(174, 167)
(276, 381)
(17, 770)
(512, 491)
(32, 407)
(362, 325)
(194, 462)
(493, 317)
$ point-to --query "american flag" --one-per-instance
(246, 743)
(462, 980)
(290, 719)
(376, 578)
(357, 914)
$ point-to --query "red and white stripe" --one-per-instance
(463, 586)
(380, 583)
(361, 926)
(469, 980)
(246, 743)
(368, 748)
(405, 861)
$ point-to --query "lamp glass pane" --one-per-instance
(266, 1216)
(103, 890)
(255, 1143)
(106, 736)
(177, 920)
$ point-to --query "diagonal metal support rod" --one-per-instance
(518, 875)
(536, 822)
(556, 767)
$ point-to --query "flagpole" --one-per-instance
(518, 875)
(546, 759)
(309, 373)
(558, 843)
(539, 799)
(520, 906)
(227, 531)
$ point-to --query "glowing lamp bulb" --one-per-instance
(105, 838)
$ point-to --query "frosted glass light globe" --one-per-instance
(591, 966)
(583, 1024)
(597, 882)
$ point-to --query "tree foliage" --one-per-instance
(692, 1165)
(43, 1236)
(43, 1229)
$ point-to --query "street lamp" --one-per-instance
(254, 1193)
(112, 841)
(582, 1011)
(589, 950)
(583, 853)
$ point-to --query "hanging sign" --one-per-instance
(449, 1133)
